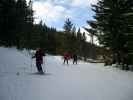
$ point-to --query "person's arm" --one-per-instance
(34, 56)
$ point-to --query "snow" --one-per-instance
(84, 81)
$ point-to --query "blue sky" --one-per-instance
(54, 12)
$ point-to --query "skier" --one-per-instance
(39, 60)
(75, 58)
(66, 57)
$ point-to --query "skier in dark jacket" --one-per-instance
(75, 58)
(39, 59)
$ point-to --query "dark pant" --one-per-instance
(75, 61)
(39, 67)
(65, 60)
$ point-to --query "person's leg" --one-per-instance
(40, 68)
(37, 65)
(73, 61)
(67, 61)
(64, 61)
(76, 61)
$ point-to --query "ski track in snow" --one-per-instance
(84, 81)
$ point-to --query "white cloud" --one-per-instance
(79, 3)
(83, 3)
(56, 11)
(50, 12)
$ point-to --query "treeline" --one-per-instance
(57, 42)
(17, 28)
(113, 26)
(73, 41)
(16, 22)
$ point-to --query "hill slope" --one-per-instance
(84, 81)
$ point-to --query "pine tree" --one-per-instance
(68, 26)
(68, 35)
(15, 22)
(1, 21)
(7, 16)
(24, 19)
(113, 22)
(92, 32)
(73, 41)
(79, 42)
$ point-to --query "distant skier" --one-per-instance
(75, 58)
(66, 57)
(39, 59)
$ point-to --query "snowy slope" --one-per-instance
(84, 81)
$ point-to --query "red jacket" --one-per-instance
(39, 56)
(66, 56)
